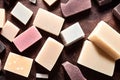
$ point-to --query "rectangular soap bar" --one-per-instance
(2, 17)
(94, 58)
(72, 34)
(103, 2)
(50, 2)
(22, 13)
(116, 11)
(107, 39)
(9, 31)
(18, 64)
(49, 53)
(27, 38)
(48, 21)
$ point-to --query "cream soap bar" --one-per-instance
(50, 2)
(18, 64)
(107, 39)
(2, 17)
(49, 53)
(94, 58)
(48, 21)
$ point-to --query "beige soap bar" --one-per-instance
(49, 53)
(18, 64)
(107, 39)
(94, 58)
(2, 17)
(48, 21)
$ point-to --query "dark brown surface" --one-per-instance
(88, 21)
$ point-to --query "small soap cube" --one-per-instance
(18, 64)
(94, 58)
(116, 11)
(2, 47)
(48, 21)
(27, 38)
(2, 17)
(22, 13)
(72, 34)
(33, 1)
(49, 53)
(50, 2)
(103, 2)
(9, 31)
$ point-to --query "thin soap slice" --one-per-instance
(2, 17)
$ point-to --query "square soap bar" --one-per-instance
(106, 38)
(48, 21)
(103, 2)
(18, 64)
(2, 17)
(72, 34)
(94, 58)
(49, 53)
(116, 11)
(50, 2)
(27, 38)
(22, 13)
(9, 31)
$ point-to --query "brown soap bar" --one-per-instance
(73, 71)
(103, 2)
(73, 7)
(116, 11)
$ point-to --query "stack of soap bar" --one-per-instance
(72, 34)
(27, 38)
(9, 31)
(42, 76)
(73, 71)
(116, 11)
(94, 58)
(33, 1)
(49, 53)
(48, 21)
(50, 2)
(22, 13)
(18, 64)
(2, 47)
(73, 7)
(2, 17)
(103, 2)
(107, 39)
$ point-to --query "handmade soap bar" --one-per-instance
(116, 11)
(73, 71)
(33, 1)
(2, 17)
(94, 58)
(2, 47)
(9, 31)
(18, 64)
(107, 39)
(73, 7)
(27, 38)
(48, 22)
(103, 2)
(49, 53)
(42, 76)
(22, 13)
(72, 34)
(50, 2)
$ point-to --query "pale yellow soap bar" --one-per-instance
(106, 38)
(49, 53)
(50, 2)
(94, 58)
(2, 17)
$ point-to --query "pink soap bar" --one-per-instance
(27, 38)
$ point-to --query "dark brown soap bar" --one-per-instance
(116, 11)
(73, 71)
(103, 2)
(73, 7)
(2, 47)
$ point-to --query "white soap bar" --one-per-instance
(107, 39)
(49, 53)
(72, 34)
(9, 31)
(48, 21)
(22, 13)
(33, 1)
(50, 2)
(94, 58)
(18, 64)
(43, 76)
(2, 17)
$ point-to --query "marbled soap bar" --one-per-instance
(50, 2)
(103, 2)
(116, 11)
(2, 17)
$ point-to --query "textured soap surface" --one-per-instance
(94, 58)
(22, 13)
(50, 2)
(106, 38)
(18, 64)
(116, 11)
(2, 47)
(27, 38)
(9, 31)
(48, 21)
(103, 2)
(72, 34)
(49, 53)
(73, 71)
(73, 7)
(2, 17)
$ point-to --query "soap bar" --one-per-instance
(94, 58)
(27, 38)
(33, 1)
(2, 17)
(116, 11)
(49, 53)
(42, 76)
(22, 13)
(107, 39)
(9, 31)
(48, 21)
(73, 71)
(72, 34)
(18, 64)
(50, 2)
(2, 47)
(73, 7)
(103, 2)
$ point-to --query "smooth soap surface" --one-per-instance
(103, 2)
(50, 2)
(2, 17)
(116, 11)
